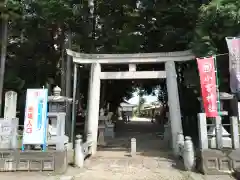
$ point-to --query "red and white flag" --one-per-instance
(208, 85)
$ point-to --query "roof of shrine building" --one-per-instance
(126, 104)
(83, 58)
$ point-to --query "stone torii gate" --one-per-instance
(96, 75)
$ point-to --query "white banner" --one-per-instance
(35, 121)
(233, 44)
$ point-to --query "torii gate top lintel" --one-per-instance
(82, 58)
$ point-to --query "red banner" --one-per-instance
(208, 85)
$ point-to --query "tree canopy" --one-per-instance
(39, 31)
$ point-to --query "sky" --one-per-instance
(135, 99)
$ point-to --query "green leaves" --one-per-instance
(218, 19)
(39, 34)
(10, 8)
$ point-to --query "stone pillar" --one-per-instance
(10, 113)
(219, 133)
(10, 107)
(74, 110)
(173, 101)
(93, 106)
(202, 131)
(234, 132)
(89, 89)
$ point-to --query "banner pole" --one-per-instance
(217, 85)
(218, 123)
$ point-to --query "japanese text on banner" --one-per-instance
(35, 122)
(233, 44)
(208, 85)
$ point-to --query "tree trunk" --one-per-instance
(69, 68)
(69, 85)
(63, 66)
(3, 58)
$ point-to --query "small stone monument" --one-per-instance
(188, 154)
(133, 146)
(9, 124)
(79, 152)
(10, 107)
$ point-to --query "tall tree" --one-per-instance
(38, 37)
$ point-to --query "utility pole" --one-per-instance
(3, 53)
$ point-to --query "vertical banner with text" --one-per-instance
(233, 44)
(35, 122)
(208, 85)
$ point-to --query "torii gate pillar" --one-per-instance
(93, 106)
(173, 101)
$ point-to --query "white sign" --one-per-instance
(35, 121)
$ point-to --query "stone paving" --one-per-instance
(153, 161)
(119, 166)
(111, 166)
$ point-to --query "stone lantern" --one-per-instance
(59, 118)
(57, 103)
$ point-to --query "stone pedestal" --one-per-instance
(8, 133)
(56, 130)
(202, 131)
(109, 130)
(58, 104)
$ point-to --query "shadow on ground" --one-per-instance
(147, 134)
(149, 141)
